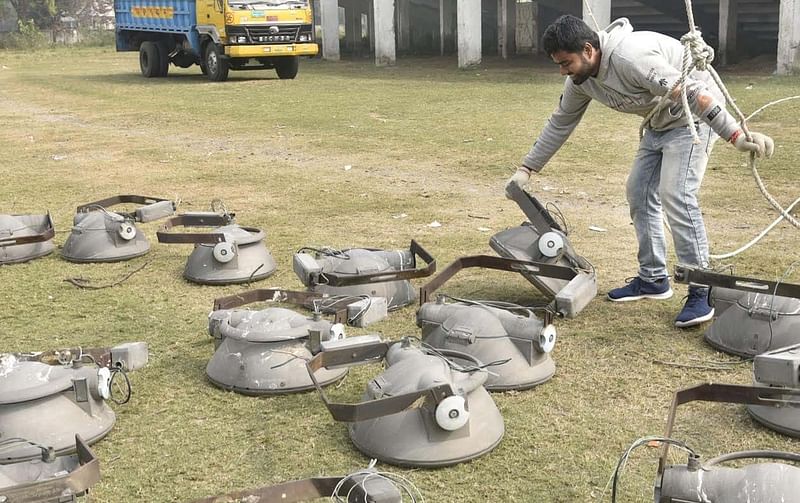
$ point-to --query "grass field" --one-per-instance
(421, 139)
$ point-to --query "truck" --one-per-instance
(217, 35)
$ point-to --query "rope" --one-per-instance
(591, 14)
(697, 54)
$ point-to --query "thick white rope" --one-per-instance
(591, 15)
(698, 55)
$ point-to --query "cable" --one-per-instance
(128, 390)
(398, 481)
(624, 459)
(788, 271)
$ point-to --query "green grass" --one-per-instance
(423, 139)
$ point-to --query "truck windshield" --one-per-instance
(269, 4)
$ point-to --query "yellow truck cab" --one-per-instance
(218, 35)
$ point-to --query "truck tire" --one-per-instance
(149, 60)
(216, 66)
(286, 67)
(163, 58)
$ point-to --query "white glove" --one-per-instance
(759, 143)
(519, 179)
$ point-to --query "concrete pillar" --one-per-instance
(506, 27)
(447, 16)
(469, 33)
(385, 52)
(789, 37)
(403, 25)
(329, 12)
(728, 20)
(371, 22)
(600, 9)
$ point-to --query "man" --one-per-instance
(628, 71)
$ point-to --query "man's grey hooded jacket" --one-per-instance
(636, 68)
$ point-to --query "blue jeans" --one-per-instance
(665, 180)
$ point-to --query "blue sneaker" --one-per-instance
(696, 310)
(637, 289)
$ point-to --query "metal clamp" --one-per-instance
(46, 235)
(368, 353)
(724, 393)
(202, 220)
(699, 276)
(334, 279)
(279, 295)
(74, 483)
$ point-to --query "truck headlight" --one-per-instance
(304, 38)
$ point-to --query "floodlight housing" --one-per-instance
(264, 352)
(229, 254)
(542, 240)
(456, 421)
(100, 235)
(364, 272)
(778, 369)
(520, 345)
(25, 237)
(753, 316)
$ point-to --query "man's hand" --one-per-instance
(759, 143)
(519, 179)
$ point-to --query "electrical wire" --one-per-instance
(786, 273)
(128, 390)
(398, 481)
(328, 252)
(623, 460)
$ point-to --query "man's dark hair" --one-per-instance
(570, 34)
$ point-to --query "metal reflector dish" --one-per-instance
(47, 405)
(59, 480)
(25, 237)
(520, 345)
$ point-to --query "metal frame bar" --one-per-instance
(497, 263)
(196, 220)
(533, 209)
(723, 393)
(699, 276)
(114, 200)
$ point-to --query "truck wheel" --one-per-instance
(163, 58)
(216, 66)
(286, 67)
(149, 59)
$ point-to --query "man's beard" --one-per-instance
(585, 72)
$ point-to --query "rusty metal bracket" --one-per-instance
(121, 199)
(303, 299)
(724, 393)
(492, 262)
(699, 276)
(54, 489)
(368, 353)
(197, 220)
(46, 235)
(334, 279)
